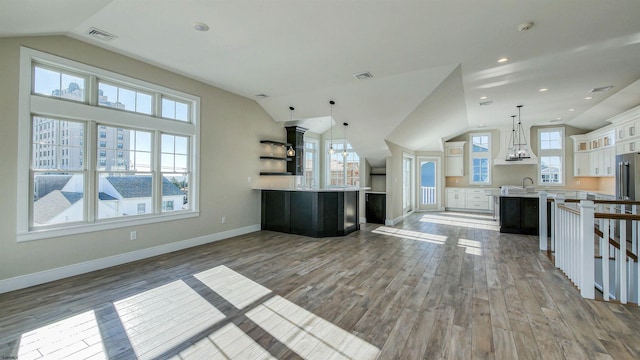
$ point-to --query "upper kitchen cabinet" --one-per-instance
(455, 158)
(594, 153)
(627, 135)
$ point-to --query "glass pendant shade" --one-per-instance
(518, 148)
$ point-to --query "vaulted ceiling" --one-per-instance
(433, 61)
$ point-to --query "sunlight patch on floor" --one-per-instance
(468, 223)
(472, 247)
(158, 320)
(229, 342)
(411, 235)
(237, 289)
(308, 335)
(75, 337)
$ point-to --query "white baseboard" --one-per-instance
(362, 220)
(392, 222)
(24, 281)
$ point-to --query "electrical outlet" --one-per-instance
(223, 220)
(133, 235)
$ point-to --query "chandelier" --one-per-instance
(517, 149)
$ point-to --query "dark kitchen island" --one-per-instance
(314, 213)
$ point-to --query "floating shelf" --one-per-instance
(275, 158)
(274, 173)
(274, 143)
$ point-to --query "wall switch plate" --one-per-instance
(223, 220)
(133, 235)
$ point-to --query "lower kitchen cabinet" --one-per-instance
(519, 215)
(376, 208)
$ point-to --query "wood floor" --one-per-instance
(438, 285)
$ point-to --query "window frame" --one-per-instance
(315, 170)
(32, 104)
(552, 152)
(480, 155)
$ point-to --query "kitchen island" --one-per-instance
(311, 212)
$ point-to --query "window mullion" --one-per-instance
(89, 168)
(156, 172)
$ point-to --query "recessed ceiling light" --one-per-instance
(503, 59)
(200, 26)
(558, 118)
(483, 97)
(588, 98)
(572, 109)
(262, 96)
(543, 89)
(482, 125)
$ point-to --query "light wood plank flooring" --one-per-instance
(438, 285)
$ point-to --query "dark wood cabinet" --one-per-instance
(310, 213)
(519, 215)
(376, 208)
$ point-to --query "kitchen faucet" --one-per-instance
(526, 179)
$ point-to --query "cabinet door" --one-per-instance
(509, 214)
(376, 208)
(529, 216)
(581, 164)
(455, 166)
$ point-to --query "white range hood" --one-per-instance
(505, 138)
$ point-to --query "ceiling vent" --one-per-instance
(363, 76)
(100, 34)
(486, 103)
(601, 89)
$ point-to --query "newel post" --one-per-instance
(587, 249)
(557, 227)
(542, 222)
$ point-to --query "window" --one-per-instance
(551, 156)
(175, 170)
(58, 83)
(176, 110)
(480, 158)
(343, 165)
(138, 175)
(123, 98)
(311, 163)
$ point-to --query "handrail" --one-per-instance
(616, 244)
(620, 202)
(616, 216)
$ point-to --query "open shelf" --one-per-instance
(274, 158)
(274, 173)
(274, 143)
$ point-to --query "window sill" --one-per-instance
(101, 226)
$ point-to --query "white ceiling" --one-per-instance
(432, 60)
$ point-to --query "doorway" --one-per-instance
(408, 176)
(429, 195)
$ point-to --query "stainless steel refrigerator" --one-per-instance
(628, 177)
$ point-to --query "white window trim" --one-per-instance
(487, 155)
(552, 152)
(88, 112)
(316, 160)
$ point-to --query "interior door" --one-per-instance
(429, 194)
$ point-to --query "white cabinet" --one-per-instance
(455, 198)
(594, 153)
(468, 199)
(581, 164)
(455, 158)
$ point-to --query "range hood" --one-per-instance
(505, 138)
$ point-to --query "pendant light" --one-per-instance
(511, 152)
(331, 150)
(290, 151)
(344, 151)
(519, 148)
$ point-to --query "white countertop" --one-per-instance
(335, 189)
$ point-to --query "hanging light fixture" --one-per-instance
(290, 151)
(511, 152)
(519, 148)
(344, 151)
(331, 150)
